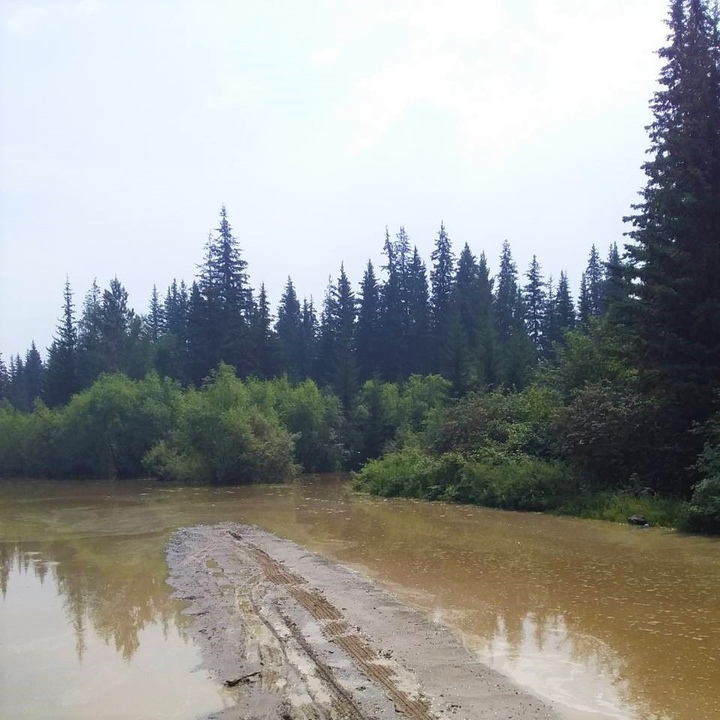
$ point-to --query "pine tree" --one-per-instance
(116, 324)
(308, 346)
(367, 332)
(337, 365)
(265, 345)
(224, 286)
(674, 256)
(441, 279)
(594, 285)
(156, 316)
(584, 304)
(289, 332)
(418, 309)
(673, 313)
(535, 298)
(61, 377)
(394, 310)
(32, 376)
(516, 350)
(564, 308)
(614, 289)
(89, 356)
(201, 349)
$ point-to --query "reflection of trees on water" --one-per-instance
(518, 582)
(114, 585)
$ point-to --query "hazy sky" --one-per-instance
(125, 124)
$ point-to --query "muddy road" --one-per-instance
(294, 637)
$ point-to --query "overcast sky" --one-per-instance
(125, 124)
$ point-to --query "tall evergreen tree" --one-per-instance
(61, 376)
(535, 297)
(516, 351)
(308, 346)
(289, 332)
(564, 309)
(675, 253)
(584, 304)
(594, 285)
(89, 357)
(201, 348)
(265, 346)
(442, 277)
(337, 346)
(394, 314)
(615, 292)
(367, 332)
(156, 316)
(417, 358)
(32, 376)
(224, 286)
(116, 324)
(674, 257)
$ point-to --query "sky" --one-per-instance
(126, 124)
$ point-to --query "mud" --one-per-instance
(294, 637)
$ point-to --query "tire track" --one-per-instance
(335, 629)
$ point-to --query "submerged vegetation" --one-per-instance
(467, 388)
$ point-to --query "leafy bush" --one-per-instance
(228, 432)
(703, 510)
(519, 484)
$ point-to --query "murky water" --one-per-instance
(608, 621)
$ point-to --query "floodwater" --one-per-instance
(605, 620)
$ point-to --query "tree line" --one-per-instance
(456, 321)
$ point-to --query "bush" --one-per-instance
(703, 511)
(226, 433)
(518, 484)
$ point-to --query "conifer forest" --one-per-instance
(432, 377)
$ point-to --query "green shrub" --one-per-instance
(515, 484)
(703, 511)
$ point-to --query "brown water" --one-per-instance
(607, 621)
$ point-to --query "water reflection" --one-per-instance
(609, 621)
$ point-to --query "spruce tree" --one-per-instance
(61, 376)
(288, 328)
(394, 308)
(201, 346)
(441, 280)
(336, 360)
(674, 256)
(265, 345)
(32, 377)
(594, 285)
(116, 325)
(228, 299)
(418, 309)
(584, 304)
(516, 350)
(535, 298)
(614, 288)
(309, 340)
(367, 332)
(564, 309)
(156, 316)
(89, 356)
(673, 312)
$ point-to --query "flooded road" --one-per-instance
(605, 621)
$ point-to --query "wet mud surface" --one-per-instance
(294, 637)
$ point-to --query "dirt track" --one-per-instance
(299, 638)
